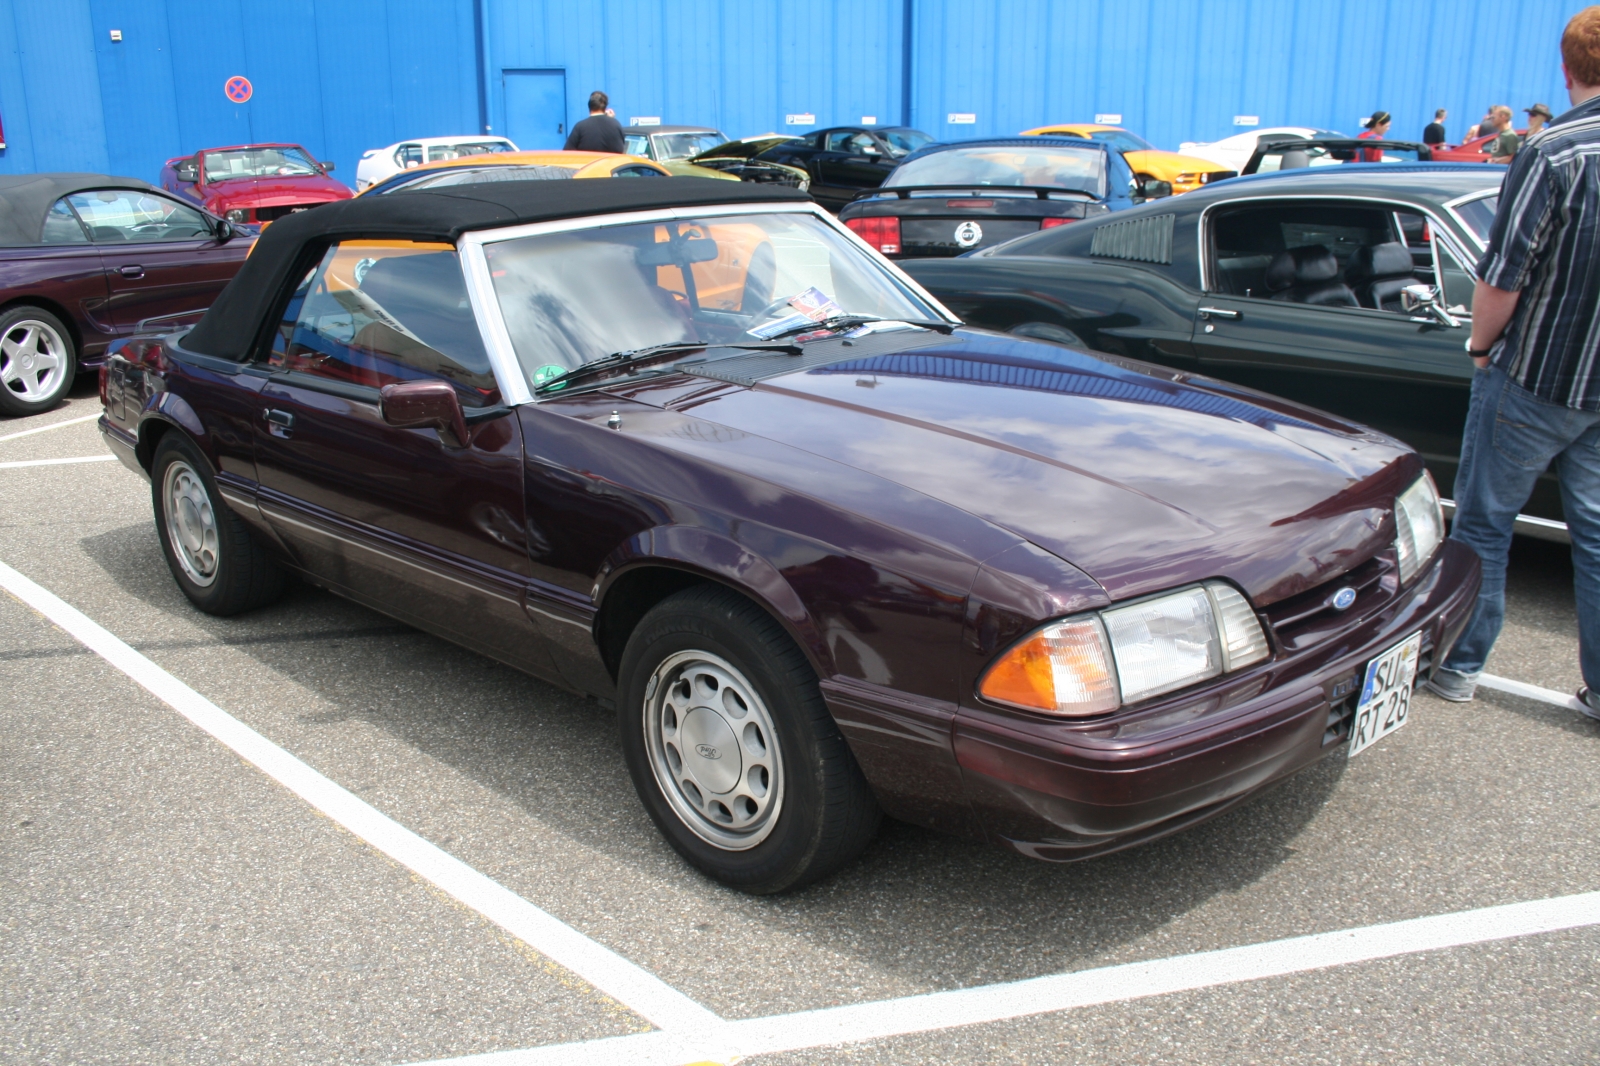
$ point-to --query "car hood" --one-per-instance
(747, 149)
(1132, 473)
(1168, 165)
(314, 188)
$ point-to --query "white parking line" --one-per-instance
(53, 425)
(58, 462)
(1043, 995)
(628, 984)
(1532, 692)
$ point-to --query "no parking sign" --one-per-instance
(238, 89)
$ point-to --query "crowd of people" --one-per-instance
(1496, 123)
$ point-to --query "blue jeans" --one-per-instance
(1511, 437)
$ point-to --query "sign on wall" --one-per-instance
(645, 120)
(1247, 120)
(804, 119)
(1108, 119)
(238, 89)
(961, 118)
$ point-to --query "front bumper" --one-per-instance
(1069, 790)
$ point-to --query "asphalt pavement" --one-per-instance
(163, 901)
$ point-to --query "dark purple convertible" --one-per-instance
(693, 448)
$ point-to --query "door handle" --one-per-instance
(279, 423)
(1219, 312)
(134, 271)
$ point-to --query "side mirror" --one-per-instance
(188, 173)
(1154, 190)
(225, 231)
(328, 167)
(419, 404)
(1425, 299)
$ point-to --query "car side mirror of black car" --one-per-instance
(421, 404)
(1424, 299)
(1152, 189)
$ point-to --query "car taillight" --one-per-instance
(145, 352)
(880, 231)
(1047, 223)
(105, 385)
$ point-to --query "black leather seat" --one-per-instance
(1379, 272)
(1308, 275)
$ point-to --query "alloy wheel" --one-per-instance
(32, 359)
(191, 522)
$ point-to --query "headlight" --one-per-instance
(1097, 662)
(1419, 526)
(235, 214)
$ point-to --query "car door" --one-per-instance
(162, 258)
(853, 161)
(1402, 373)
(420, 524)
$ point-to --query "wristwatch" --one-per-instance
(1477, 353)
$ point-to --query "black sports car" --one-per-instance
(843, 161)
(1346, 288)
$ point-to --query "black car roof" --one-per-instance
(1430, 182)
(25, 200)
(229, 328)
(636, 130)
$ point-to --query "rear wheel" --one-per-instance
(733, 751)
(37, 361)
(211, 552)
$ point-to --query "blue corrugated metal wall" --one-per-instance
(341, 76)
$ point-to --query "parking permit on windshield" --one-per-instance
(1386, 695)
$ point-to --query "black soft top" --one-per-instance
(230, 327)
(25, 199)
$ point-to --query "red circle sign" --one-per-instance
(238, 89)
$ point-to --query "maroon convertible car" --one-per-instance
(84, 259)
(693, 448)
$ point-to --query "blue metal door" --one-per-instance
(536, 108)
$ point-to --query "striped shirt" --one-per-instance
(1545, 244)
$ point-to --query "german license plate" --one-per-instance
(1386, 695)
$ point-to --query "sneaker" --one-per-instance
(1451, 685)
(1589, 703)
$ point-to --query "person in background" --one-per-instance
(1536, 391)
(599, 132)
(1434, 132)
(1377, 126)
(1483, 128)
(1506, 143)
(1538, 115)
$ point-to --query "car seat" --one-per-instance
(1308, 275)
(1378, 273)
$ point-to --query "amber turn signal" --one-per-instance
(1061, 669)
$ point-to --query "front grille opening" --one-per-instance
(272, 214)
(1309, 617)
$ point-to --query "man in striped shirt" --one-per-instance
(1536, 393)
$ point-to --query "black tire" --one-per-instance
(28, 336)
(822, 812)
(226, 571)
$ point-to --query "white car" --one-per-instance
(1234, 152)
(380, 164)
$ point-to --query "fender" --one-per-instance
(700, 551)
(168, 407)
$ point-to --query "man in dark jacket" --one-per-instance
(1434, 133)
(1536, 394)
(597, 133)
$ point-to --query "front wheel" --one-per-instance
(733, 751)
(37, 361)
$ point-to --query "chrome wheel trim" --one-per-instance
(713, 749)
(33, 359)
(191, 522)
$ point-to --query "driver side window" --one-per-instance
(127, 215)
(851, 143)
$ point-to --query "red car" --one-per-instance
(1473, 151)
(253, 182)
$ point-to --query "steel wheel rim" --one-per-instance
(713, 748)
(33, 359)
(191, 522)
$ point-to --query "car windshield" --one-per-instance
(258, 163)
(1122, 140)
(576, 296)
(684, 145)
(1046, 167)
(904, 142)
(437, 179)
(1479, 215)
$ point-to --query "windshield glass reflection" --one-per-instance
(1054, 168)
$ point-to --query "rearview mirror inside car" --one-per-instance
(423, 404)
(671, 253)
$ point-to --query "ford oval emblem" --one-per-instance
(1344, 598)
(707, 751)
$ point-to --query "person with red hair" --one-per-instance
(1536, 392)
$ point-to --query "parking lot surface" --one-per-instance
(162, 900)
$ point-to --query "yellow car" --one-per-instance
(1185, 172)
(475, 168)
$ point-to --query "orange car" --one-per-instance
(529, 165)
(1186, 172)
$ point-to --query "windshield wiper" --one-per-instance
(616, 359)
(838, 322)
